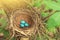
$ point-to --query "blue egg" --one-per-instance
(22, 21)
(22, 25)
(26, 24)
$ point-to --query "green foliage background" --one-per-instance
(52, 22)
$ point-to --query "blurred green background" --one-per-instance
(49, 9)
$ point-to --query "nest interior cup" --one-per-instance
(23, 16)
(28, 19)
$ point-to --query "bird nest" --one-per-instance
(31, 16)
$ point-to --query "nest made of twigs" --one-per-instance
(30, 16)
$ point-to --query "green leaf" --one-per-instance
(58, 1)
(5, 32)
(2, 12)
(3, 22)
(53, 21)
(53, 29)
(52, 5)
(3, 19)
